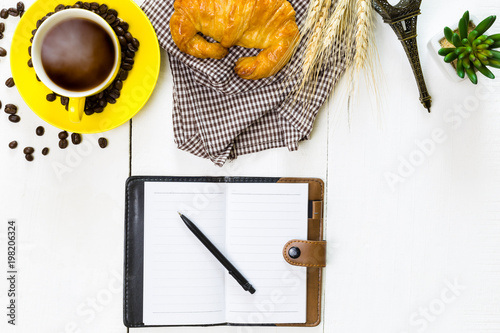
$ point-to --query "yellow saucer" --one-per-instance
(136, 89)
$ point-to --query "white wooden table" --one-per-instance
(419, 253)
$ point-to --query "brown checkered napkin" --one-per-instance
(218, 115)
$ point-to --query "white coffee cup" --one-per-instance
(76, 98)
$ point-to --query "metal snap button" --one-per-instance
(294, 252)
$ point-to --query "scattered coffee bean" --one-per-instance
(2, 27)
(98, 110)
(111, 100)
(13, 11)
(1, 35)
(64, 100)
(40, 131)
(131, 47)
(30, 63)
(0, 104)
(51, 97)
(20, 7)
(4, 13)
(14, 118)
(3, 52)
(136, 43)
(129, 54)
(60, 7)
(63, 144)
(110, 19)
(63, 135)
(45, 151)
(76, 138)
(103, 142)
(38, 79)
(29, 51)
(10, 82)
(10, 109)
(94, 6)
(86, 5)
(29, 157)
(13, 145)
(29, 150)
(122, 40)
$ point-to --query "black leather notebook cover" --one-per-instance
(134, 244)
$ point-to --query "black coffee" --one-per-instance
(78, 54)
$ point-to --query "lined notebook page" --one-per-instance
(183, 282)
(260, 220)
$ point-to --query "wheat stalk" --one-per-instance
(312, 55)
(363, 25)
(313, 14)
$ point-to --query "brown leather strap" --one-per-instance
(305, 253)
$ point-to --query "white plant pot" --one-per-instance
(435, 45)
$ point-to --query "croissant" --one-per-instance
(262, 24)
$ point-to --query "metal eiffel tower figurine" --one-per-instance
(403, 20)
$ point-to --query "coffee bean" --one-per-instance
(89, 112)
(115, 24)
(31, 40)
(136, 43)
(3, 52)
(111, 100)
(94, 5)
(131, 47)
(20, 6)
(2, 27)
(112, 12)
(63, 135)
(13, 145)
(51, 97)
(129, 54)
(40, 131)
(14, 118)
(29, 157)
(38, 23)
(33, 32)
(129, 61)
(119, 31)
(29, 51)
(30, 63)
(98, 110)
(10, 109)
(63, 144)
(10, 82)
(118, 85)
(0, 104)
(103, 142)
(122, 40)
(64, 100)
(77, 6)
(110, 19)
(45, 151)
(129, 37)
(37, 78)
(59, 8)
(115, 95)
(123, 75)
(103, 103)
(4, 13)
(1, 35)
(124, 25)
(29, 150)
(103, 8)
(126, 66)
(76, 138)
(13, 12)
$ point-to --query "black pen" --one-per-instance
(223, 260)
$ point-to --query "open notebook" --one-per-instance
(259, 224)
(249, 223)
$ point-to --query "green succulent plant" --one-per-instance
(473, 51)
